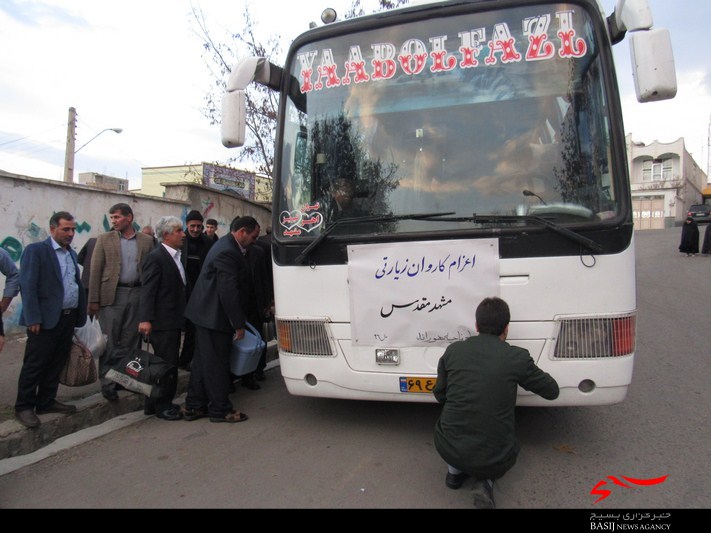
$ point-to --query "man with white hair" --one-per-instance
(161, 308)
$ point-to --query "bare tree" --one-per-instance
(262, 103)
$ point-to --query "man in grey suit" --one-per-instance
(218, 306)
(162, 304)
(53, 304)
(115, 286)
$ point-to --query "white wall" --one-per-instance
(26, 205)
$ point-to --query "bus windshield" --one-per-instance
(499, 113)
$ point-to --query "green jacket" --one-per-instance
(477, 380)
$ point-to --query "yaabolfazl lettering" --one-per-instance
(414, 53)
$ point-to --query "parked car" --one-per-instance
(701, 213)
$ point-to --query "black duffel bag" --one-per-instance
(138, 370)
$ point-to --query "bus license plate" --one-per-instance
(413, 384)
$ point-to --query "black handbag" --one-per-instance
(138, 370)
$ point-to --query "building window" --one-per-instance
(657, 170)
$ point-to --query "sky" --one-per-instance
(137, 65)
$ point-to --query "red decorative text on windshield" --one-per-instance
(320, 69)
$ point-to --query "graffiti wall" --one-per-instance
(26, 205)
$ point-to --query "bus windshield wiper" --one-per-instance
(565, 232)
(361, 220)
(573, 236)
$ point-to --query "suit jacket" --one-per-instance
(41, 286)
(106, 265)
(220, 297)
(265, 243)
(163, 299)
(260, 296)
(193, 256)
(84, 259)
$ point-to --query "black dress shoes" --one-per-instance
(170, 414)
(454, 481)
(250, 383)
(259, 375)
(57, 407)
(27, 418)
(110, 394)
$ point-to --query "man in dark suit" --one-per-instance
(260, 302)
(84, 259)
(161, 309)
(218, 307)
(53, 304)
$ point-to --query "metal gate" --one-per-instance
(648, 212)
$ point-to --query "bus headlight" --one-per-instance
(591, 338)
(304, 337)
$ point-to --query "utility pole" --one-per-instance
(69, 154)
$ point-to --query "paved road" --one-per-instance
(327, 454)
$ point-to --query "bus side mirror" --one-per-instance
(653, 65)
(234, 110)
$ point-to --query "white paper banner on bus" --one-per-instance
(419, 293)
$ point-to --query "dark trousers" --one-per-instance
(262, 358)
(210, 376)
(186, 354)
(46, 353)
(166, 345)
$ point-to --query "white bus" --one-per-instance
(483, 149)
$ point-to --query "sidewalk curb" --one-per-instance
(85, 435)
(17, 440)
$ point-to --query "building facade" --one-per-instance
(665, 181)
(242, 183)
(101, 181)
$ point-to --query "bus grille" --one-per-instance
(592, 338)
(304, 337)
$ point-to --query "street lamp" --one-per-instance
(70, 151)
(526, 192)
(117, 130)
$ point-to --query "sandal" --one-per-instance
(192, 414)
(232, 418)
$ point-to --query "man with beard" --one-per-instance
(219, 306)
(115, 287)
(53, 304)
(195, 249)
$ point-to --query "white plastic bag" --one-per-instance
(91, 336)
